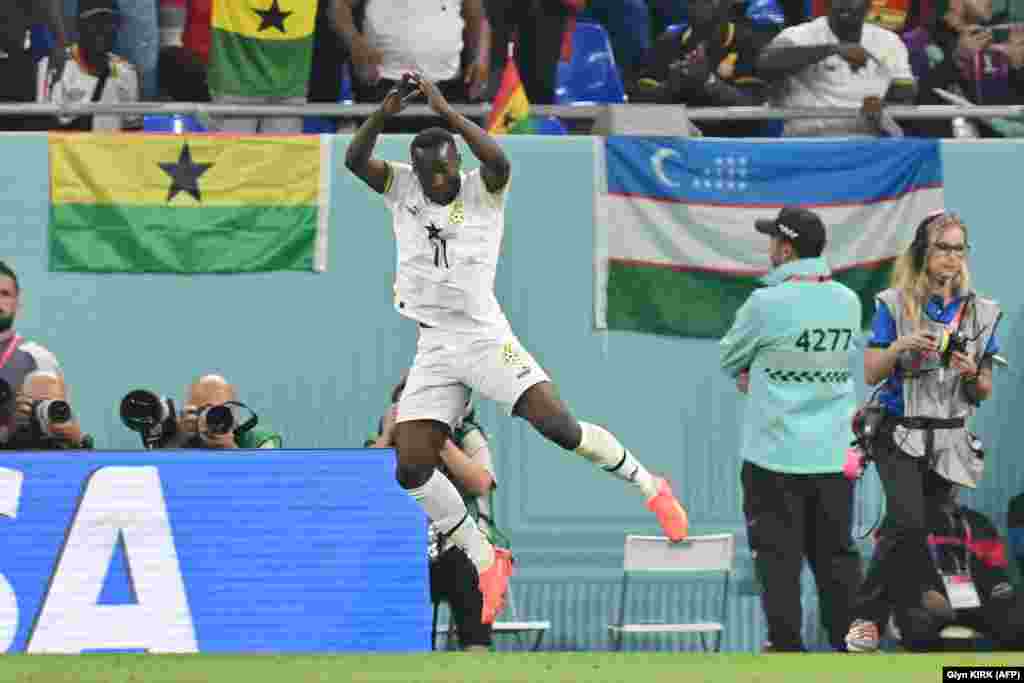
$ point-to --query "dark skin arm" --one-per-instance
(778, 61)
(495, 168)
(358, 156)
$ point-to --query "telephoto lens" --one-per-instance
(50, 412)
(142, 410)
(219, 419)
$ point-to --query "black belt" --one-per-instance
(426, 326)
(930, 422)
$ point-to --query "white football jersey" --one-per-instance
(447, 255)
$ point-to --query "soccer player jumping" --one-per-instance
(448, 227)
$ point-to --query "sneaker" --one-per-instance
(494, 583)
(671, 515)
(862, 636)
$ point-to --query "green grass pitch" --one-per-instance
(639, 667)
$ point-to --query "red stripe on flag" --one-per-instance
(509, 84)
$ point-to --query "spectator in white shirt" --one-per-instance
(444, 40)
(94, 73)
(839, 61)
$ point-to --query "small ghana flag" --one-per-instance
(511, 110)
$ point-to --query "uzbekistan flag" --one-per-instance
(677, 252)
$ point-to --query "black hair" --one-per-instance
(432, 137)
(6, 270)
(809, 253)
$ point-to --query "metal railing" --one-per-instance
(480, 111)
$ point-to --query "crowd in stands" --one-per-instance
(801, 53)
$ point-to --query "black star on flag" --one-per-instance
(272, 17)
(184, 174)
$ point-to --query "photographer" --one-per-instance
(932, 344)
(43, 416)
(18, 357)
(209, 419)
(466, 460)
(962, 540)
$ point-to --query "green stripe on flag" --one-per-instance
(244, 66)
(703, 303)
(674, 302)
(867, 282)
(210, 239)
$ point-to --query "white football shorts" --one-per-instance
(450, 365)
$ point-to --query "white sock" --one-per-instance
(444, 506)
(600, 447)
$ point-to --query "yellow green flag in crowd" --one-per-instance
(175, 204)
(510, 112)
(261, 48)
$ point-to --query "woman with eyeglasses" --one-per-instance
(931, 348)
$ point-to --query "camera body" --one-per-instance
(866, 426)
(49, 412)
(152, 416)
(219, 419)
(952, 342)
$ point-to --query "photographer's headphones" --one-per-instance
(919, 247)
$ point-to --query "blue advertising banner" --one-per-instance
(174, 551)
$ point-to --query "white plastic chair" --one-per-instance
(656, 554)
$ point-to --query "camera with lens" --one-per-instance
(952, 342)
(35, 430)
(152, 416)
(49, 412)
(219, 419)
(866, 425)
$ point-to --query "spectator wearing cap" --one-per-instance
(839, 61)
(17, 67)
(788, 351)
(93, 73)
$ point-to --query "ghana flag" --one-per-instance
(261, 48)
(510, 112)
(170, 204)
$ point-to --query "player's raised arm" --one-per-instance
(358, 157)
(495, 167)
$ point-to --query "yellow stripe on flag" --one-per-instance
(140, 170)
(259, 18)
(510, 104)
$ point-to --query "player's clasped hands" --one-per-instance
(409, 88)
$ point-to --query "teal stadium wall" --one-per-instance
(316, 355)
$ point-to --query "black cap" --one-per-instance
(801, 227)
(92, 8)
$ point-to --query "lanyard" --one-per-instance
(955, 322)
(13, 344)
